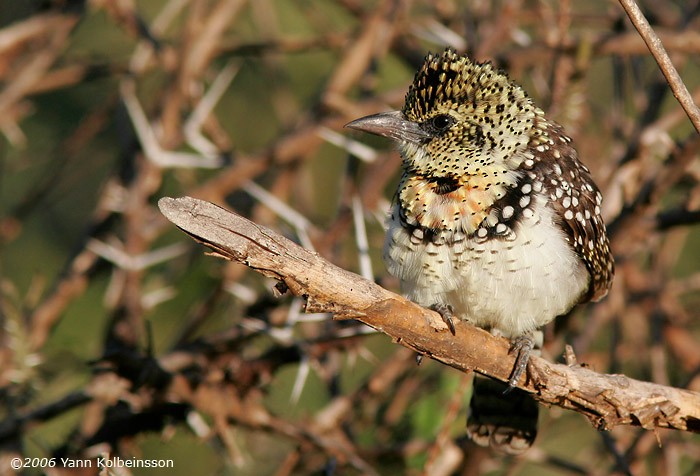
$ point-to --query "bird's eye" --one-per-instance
(439, 124)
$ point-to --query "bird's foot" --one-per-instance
(522, 346)
(446, 311)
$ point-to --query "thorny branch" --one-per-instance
(606, 400)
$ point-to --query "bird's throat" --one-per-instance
(446, 204)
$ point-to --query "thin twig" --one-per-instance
(361, 238)
(657, 50)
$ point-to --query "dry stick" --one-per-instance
(657, 50)
(606, 400)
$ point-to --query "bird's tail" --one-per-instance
(506, 423)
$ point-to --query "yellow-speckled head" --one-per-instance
(477, 118)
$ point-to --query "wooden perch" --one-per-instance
(606, 400)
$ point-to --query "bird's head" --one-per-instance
(460, 119)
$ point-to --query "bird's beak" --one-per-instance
(392, 125)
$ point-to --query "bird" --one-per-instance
(495, 221)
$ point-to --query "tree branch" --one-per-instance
(664, 61)
(606, 400)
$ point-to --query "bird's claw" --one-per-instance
(522, 345)
(419, 359)
(446, 311)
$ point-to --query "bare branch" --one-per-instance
(606, 400)
(657, 50)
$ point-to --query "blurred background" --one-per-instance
(120, 336)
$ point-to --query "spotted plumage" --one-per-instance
(495, 219)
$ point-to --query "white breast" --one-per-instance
(507, 286)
